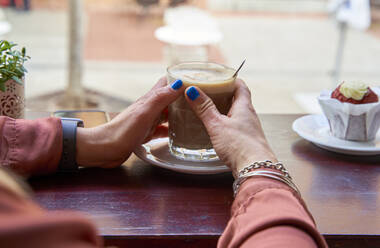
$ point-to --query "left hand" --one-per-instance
(109, 145)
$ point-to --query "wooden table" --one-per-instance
(142, 205)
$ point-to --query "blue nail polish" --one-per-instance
(177, 84)
(192, 93)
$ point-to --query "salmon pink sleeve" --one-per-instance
(24, 224)
(30, 147)
(268, 213)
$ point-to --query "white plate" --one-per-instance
(315, 128)
(157, 152)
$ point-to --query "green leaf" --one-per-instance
(6, 43)
(17, 80)
(2, 87)
(12, 62)
(19, 71)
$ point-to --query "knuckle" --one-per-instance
(140, 110)
(208, 113)
(159, 95)
(205, 107)
(163, 80)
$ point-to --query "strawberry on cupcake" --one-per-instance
(355, 93)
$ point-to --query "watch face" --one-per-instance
(89, 118)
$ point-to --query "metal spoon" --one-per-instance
(235, 74)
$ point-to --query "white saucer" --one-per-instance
(157, 152)
(315, 128)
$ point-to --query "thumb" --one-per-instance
(160, 97)
(203, 106)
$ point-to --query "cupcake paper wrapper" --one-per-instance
(358, 122)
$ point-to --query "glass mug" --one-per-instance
(188, 138)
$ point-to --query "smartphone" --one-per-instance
(90, 118)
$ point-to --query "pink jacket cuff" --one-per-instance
(30, 147)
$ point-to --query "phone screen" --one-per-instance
(91, 118)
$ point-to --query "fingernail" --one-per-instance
(177, 84)
(192, 93)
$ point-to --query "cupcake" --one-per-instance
(352, 110)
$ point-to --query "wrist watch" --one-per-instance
(68, 159)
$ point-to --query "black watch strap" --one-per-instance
(68, 159)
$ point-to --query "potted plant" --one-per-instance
(12, 74)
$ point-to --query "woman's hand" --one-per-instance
(109, 145)
(238, 138)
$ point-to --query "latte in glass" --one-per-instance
(188, 138)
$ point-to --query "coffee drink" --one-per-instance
(188, 138)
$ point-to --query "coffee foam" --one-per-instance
(212, 81)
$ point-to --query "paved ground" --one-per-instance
(289, 57)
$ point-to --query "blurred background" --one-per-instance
(113, 51)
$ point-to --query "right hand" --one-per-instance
(238, 138)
